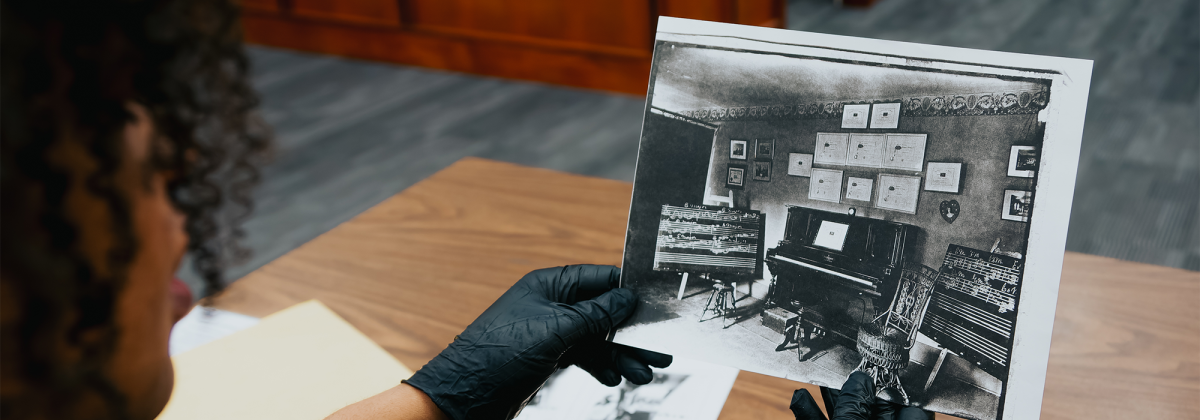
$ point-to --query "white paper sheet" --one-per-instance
(687, 390)
(203, 325)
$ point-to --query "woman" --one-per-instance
(129, 140)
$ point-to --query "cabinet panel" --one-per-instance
(614, 23)
(261, 5)
(713, 10)
(369, 12)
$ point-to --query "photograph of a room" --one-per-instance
(806, 217)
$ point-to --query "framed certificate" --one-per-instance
(885, 115)
(855, 116)
(825, 185)
(831, 148)
(898, 192)
(799, 164)
(866, 150)
(859, 188)
(904, 151)
(944, 177)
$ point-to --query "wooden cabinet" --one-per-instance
(591, 44)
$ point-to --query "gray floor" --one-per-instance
(353, 133)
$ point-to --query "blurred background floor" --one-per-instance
(352, 133)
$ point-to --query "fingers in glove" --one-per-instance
(572, 283)
(596, 317)
(602, 371)
(856, 398)
(652, 358)
(632, 369)
(804, 407)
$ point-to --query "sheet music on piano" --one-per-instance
(851, 264)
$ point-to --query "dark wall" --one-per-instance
(671, 169)
(981, 143)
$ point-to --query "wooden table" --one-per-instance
(416, 269)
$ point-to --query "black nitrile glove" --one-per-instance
(550, 319)
(856, 401)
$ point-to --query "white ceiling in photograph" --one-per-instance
(693, 78)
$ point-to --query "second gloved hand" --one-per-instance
(855, 401)
(549, 319)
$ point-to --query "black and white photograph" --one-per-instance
(1022, 161)
(737, 149)
(764, 149)
(863, 266)
(735, 176)
(762, 170)
(686, 390)
(1017, 205)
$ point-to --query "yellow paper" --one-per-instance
(303, 362)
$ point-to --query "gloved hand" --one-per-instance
(856, 401)
(549, 319)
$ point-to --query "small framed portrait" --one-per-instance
(799, 164)
(737, 149)
(764, 148)
(762, 170)
(1023, 161)
(855, 116)
(943, 177)
(735, 176)
(1017, 205)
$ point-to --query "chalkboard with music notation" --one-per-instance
(973, 309)
(709, 239)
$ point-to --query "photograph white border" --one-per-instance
(1069, 79)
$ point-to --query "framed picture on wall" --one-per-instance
(905, 152)
(737, 149)
(866, 150)
(735, 176)
(762, 170)
(799, 164)
(831, 148)
(885, 115)
(764, 148)
(859, 189)
(944, 177)
(825, 185)
(1023, 161)
(1017, 205)
(855, 116)
(898, 192)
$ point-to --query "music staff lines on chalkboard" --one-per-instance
(715, 230)
(716, 246)
(723, 214)
(702, 239)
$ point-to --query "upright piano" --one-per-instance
(840, 269)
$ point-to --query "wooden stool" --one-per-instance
(721, 300)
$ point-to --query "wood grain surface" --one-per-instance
(416, 269)
(596, 45)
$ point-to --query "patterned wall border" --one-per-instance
(1002, 103)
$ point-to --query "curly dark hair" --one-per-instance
(71, 67)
